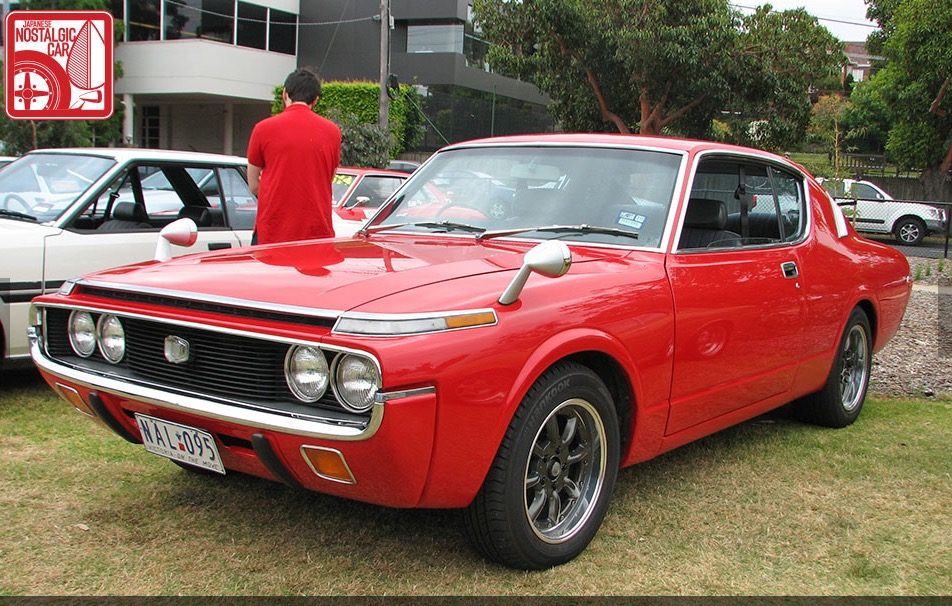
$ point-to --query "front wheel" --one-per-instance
(910, 231)
(548, 489)
(840, 401)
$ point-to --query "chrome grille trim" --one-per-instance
(260, 419)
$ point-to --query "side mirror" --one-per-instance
(183, 232)
(550, 259)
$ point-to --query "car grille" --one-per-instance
(236, 368)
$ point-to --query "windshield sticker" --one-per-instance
(630, 219)
(343, 179)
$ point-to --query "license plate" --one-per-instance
(180, 442)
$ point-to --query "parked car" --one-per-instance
(877, 212)
(509, 365)
(358, 193)
(4, 160)
(66, 212)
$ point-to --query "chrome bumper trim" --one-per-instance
(308, 428)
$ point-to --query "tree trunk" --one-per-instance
(933, 180)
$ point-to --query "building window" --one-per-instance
(282, 33)
(252, 25)
(150, 126)
(445, 38)
(240, 23)
(211, 19)
(144, 20)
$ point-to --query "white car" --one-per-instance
(878, 213)
(67, 212)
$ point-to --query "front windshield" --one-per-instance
(43, 186)
(618, 196)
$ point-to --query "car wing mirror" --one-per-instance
(550, 259)
(182, 232)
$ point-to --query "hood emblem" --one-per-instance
(176, 349)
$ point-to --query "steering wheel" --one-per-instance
(24, 206)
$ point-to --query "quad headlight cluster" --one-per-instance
(354, 379)
(86, 334)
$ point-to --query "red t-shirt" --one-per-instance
(298, 152)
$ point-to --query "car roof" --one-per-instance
(375, 171)
(614, 139)
(124, 154)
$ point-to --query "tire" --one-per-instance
(52, 81)
(840, 401)
(909, 231)
(544, 499)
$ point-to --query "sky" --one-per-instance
(830, 13)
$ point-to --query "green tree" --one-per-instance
(916, 40)
(827, 125)
(20, 136)
(656, 66)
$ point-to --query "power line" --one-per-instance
(818, 18)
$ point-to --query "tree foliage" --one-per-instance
(656, 66)
(913, 87)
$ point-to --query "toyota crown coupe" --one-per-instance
(523, 318)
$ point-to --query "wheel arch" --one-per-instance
(615, 378)
(870, 309)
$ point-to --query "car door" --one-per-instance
(89, 243)
(739, 307)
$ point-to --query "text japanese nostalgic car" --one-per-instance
(502, 359)
(67, 212)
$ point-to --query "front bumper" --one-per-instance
(389, 460)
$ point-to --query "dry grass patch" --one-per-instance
(770, 507)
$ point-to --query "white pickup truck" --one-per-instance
(877, 212)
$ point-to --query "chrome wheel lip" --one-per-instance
(854, 373)
(590, 478)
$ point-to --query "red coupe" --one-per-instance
(526, 316)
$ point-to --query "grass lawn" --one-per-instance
(772, 507)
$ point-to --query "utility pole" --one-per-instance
(383, 118)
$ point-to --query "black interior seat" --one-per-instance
(705, 224)
(199, 214)
(127, 215)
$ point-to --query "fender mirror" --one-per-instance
(183, 232)
(550, 259)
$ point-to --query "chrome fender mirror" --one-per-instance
(182, 232)
(550, 259)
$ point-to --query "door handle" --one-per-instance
(218, 245)
(790, 270)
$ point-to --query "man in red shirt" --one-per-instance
(292, 157)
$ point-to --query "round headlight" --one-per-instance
(112, 338)
(357, 381)
(306, 371)
(82, 333)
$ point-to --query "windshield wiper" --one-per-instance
(445, 225)
(582, 229)
(16, 215)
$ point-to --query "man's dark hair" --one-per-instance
(303, 84)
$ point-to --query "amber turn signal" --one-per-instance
(328, 463)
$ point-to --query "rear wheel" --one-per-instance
(840, 401)
(548, 489)
(909, 231)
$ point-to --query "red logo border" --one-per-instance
(63, 114)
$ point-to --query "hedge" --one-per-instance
(353, 104)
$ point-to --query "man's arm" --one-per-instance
(254, 178)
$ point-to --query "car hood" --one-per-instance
(336, 275)
(15, 231)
